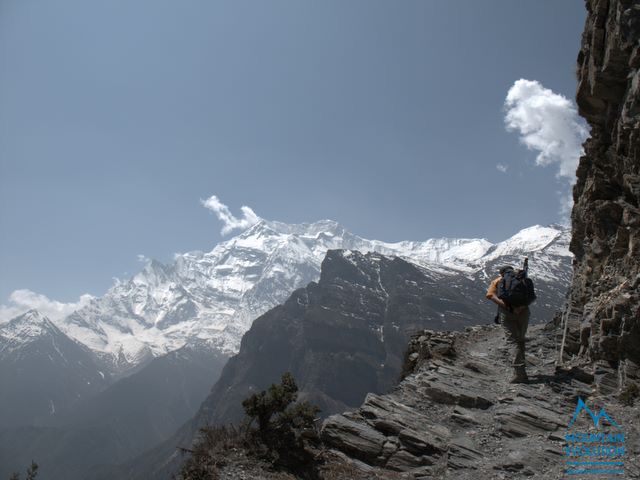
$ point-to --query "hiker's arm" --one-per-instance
(492, 293)
(498, 301)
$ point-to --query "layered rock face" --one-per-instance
(456, 416)
(603, 312)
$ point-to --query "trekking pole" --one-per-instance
(565, 321)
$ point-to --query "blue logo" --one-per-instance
(598, 450)
(596, 418)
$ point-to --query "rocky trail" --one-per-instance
(456, 416)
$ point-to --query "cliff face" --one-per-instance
(603, 312)
(456, 416)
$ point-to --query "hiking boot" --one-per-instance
(519, 376)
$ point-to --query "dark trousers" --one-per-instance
(515, 328)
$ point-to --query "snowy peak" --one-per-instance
(451, 252)
(32, 334)
(213, 297)
(153, 273)
(298, 239)
(28, 327)
(530, 239)
(327, 227)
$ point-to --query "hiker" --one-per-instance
(514, 318)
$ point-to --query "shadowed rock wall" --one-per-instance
(603, 310)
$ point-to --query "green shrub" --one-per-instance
(278, 430)
(286, 433)
(264, 405)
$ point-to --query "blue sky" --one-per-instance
(117, 118)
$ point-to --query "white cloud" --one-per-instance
(21, 301)
(142, 258)
(549, 124)
(502, 167)
(230, 222)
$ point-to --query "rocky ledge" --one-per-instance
(455, 415)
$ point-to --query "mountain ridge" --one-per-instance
(214, 296)
(341, 337)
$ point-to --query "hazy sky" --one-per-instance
(118, 117)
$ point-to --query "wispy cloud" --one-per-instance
(229, 221)
(501, 167)
(549, 124)
(21, 301)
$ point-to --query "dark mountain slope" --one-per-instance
(125, 419)
(146, 407)
(341, 337)
(42, 371)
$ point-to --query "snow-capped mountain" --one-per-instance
(213, 297)
(42, 371)
(25, 329)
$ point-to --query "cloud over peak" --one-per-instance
(23, 300)
(549, 124)
(229, 221)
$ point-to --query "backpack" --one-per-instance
(516, 288)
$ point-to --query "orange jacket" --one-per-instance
(493, 288)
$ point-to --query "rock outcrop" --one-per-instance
(603, 312)
(456, 416)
